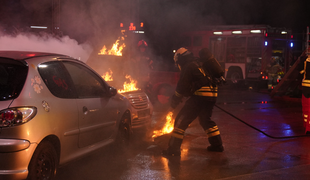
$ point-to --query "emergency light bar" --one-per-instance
(256, 31)
(38, 27)
(218, 33)
(236, 32)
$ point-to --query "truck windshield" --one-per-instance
(12, 78)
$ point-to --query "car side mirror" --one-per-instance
(112, 91)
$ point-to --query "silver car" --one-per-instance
(54, 109)
(141, 110)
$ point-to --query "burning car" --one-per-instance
(110, 64)
(54, 109)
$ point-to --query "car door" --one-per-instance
(97, 111)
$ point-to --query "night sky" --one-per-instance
(87, 20)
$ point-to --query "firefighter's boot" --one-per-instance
(175, 142)
(215, 144)
(215, 139)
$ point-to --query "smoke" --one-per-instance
(84, 25)
(45, 43)
(95, 21)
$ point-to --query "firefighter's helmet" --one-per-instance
(179, 53)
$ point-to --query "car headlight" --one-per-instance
(16, 116)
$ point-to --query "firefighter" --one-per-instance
(143, 55)
(193, 83)
(144, 66)
(305, 99)
(273, 68)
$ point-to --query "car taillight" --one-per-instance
(16, 116)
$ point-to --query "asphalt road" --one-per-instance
(263, 139)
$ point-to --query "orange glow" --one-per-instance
(168, 127)
(121, 25)
(129, 86)
(115, 50)
(108, 75)
(141, 24)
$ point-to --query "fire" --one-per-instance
(115, 50)
(108, 76)
(168, 127)
(131, 86)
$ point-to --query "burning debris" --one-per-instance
(168, 127)
(115, 50)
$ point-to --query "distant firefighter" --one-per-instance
(305, 71)
(273, 68)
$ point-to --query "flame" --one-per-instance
(168, 127)
(108, 75)
(115, 50)
(131, 86)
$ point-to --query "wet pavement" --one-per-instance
(263, 139)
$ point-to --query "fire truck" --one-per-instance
(244, 51)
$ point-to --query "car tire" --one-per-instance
(44, 162)
(124, 132)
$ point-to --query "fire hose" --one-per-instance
(273, 137)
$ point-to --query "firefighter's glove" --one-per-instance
(175, 101)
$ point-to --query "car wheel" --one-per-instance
(44, 162)
(124, 132)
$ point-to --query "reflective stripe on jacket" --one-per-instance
(206, 91)
(306, 72)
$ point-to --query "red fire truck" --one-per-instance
(244, 51)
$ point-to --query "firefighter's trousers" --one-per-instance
(306, 112)
(195, 106)
(272, 81)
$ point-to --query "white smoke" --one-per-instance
(46, 43)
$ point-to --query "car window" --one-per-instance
(87, 83)
(12, 78)
(57, 79)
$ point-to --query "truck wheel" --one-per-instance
(235, 77)
(44, 162)
(164, 93)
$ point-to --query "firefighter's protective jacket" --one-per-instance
(305, 66)
(194, 81)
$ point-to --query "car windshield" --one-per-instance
(12, 78)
